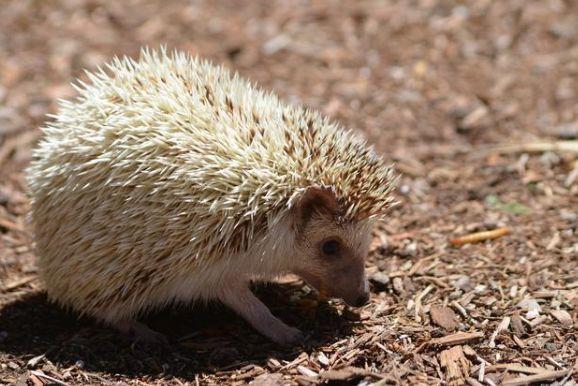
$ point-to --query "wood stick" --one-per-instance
(479, 236)
(545, 376)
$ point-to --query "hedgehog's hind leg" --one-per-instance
(140, 331)
(248, 306)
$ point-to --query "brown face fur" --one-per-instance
(331, 253)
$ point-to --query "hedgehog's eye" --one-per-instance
(331, 247)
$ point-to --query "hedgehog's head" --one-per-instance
(329, 250)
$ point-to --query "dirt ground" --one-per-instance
(476, 102)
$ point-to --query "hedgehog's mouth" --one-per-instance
(325, 292)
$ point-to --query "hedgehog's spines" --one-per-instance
(168, 161)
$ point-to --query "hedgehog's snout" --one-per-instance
(361, 300)
(358, 298)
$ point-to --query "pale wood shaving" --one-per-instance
(455, 364)
(563, 317)
(457, 338)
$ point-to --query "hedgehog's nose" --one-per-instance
(362, 300)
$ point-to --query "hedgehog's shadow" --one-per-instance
(203, 339)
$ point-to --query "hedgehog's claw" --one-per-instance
(289, 337)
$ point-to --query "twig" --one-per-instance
(403, 235)
(11, 225)
(460, 309)
(18, 283)
(419, 299)
(490, 382)
(539, 320)
(545, 376)
(482, 372)
(517, 368)
(572, 177)
(457, 338)
(479, 236)
(534, 147)
(307, 371)
(551, 360)
(40, 374)
(504, 324)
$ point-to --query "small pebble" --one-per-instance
(569, 216)
(398, 285)
(409, 251)
(566, 131)
(380, 280)
(550, 159)
(532, 307)
(464, 283)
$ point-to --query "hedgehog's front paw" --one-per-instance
(152, 337)
(140, 332)
(242, 300)
(288, 336)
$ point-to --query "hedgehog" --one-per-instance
(171, 180)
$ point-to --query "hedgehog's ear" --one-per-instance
(315, 200)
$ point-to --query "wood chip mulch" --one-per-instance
(474, 277)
